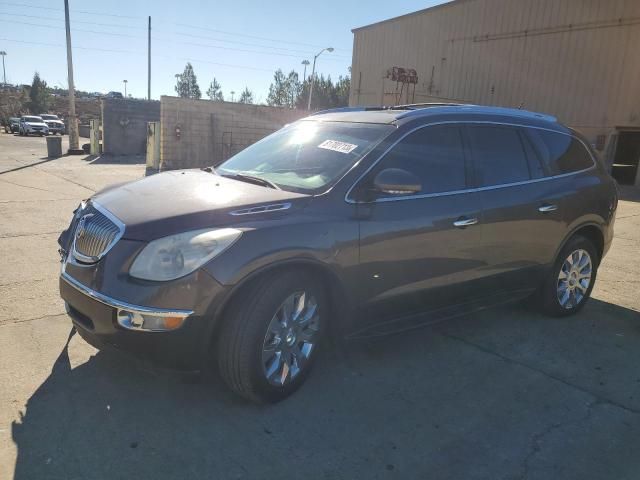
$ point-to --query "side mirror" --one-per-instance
(395, 181)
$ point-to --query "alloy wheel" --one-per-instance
(291, 338)
(574, 279)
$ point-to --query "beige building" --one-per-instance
(576, 59)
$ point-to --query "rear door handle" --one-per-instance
(547, 208)
(465, 222)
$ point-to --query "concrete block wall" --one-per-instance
(124, 125)
(211, 132)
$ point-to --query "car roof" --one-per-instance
(402, 114)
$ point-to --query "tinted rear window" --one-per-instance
(498, 154)
(559, 152)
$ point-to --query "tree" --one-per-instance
(326, 94)
(278, 90)
(187, 84)
(293, 88)
(39, 96)
(246, 96)
(215, 91)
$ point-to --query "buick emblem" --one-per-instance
(80, 231)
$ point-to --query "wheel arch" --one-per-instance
(334, 285)
(590, 230)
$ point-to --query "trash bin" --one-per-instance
(54, 147)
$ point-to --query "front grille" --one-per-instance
(94, 235)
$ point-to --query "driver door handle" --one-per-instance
(547, 207)
(463, 222)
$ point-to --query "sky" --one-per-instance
(240, 43)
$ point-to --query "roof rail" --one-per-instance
(416, 106)
(515, 112)
(349, 109)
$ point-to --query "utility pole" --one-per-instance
(232, 94)
(73, 121)
(4, 72)
(149, 63)
(304, 75)
(125, 88)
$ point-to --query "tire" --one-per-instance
(552, 294)
(247, 346)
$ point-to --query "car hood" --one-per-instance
(182, 200)
(55, 121)
(36, 124)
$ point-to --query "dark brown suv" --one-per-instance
(351, 223)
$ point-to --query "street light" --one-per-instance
(232, 94)
(125, 87)
(313, 73)
(306, 64)
(4, 73)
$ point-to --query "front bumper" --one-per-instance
(95, 317)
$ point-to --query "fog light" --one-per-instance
(143, 321)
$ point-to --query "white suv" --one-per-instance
(32, 124)
(54, 123)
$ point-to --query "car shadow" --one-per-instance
(457, 400)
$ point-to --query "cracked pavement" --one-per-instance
(501, 394)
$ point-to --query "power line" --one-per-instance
(74, 21)
(251, 36)
(40, 7)
(206, 37)
(87, 12)
(219, 47)
(75, 29)
(188, 59)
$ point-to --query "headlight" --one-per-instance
(178, 255)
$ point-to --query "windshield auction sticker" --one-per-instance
(337, 146)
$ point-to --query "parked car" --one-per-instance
(113, 95)
(54, 123)
(347, 224)
(12, 125)
(32, 124)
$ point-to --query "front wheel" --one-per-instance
(271, 335)
(569, 285)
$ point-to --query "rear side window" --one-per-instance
(559, 152)
(435, 155)
(499, 155)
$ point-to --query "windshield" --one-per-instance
(33, 119)
(49, 117)
(307, 156)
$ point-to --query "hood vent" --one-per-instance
(262, 209)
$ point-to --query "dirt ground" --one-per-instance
(502, 394)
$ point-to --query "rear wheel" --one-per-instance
(571, 280)
(270, 337)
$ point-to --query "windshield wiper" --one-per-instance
(244, 177)
(257, 180)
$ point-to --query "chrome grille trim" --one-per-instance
(95, 233)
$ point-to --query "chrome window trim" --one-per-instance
(466, 190)
(112, 302)
(116, 221)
